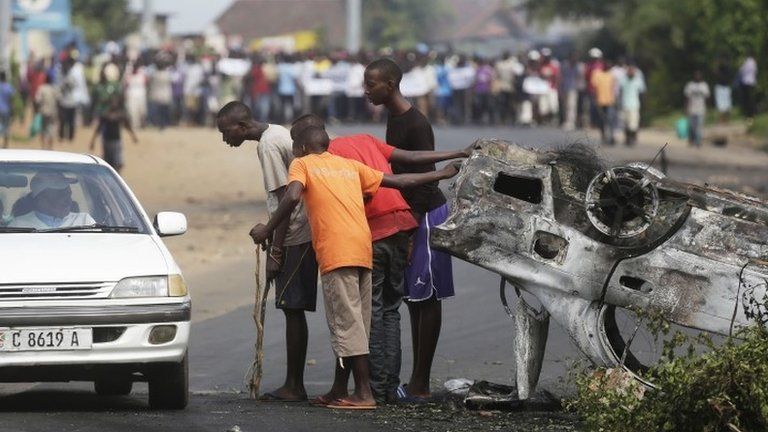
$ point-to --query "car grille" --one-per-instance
(55, 291)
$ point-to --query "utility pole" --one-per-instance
(148, 38)
(354, 25)
(6, 20)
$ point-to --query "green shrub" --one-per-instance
(759, 126)
(724, 389)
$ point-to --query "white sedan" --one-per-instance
(88, 290)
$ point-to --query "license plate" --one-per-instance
(46, 339)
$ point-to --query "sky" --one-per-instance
(187, 16)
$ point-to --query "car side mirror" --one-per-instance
(170, 223)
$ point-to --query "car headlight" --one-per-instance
(151, 286)
(176, 286)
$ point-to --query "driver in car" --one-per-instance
(52, 204)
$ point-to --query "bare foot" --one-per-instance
(353, 403)
(418, 392)
(361, 399)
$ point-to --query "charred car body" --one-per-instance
(586, 241)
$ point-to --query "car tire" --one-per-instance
(113, 386)
(169, 385)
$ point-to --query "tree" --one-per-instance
(103, 19)
(401, 23)
(671, 39)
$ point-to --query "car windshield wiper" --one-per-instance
(17, 229)
(93, 227)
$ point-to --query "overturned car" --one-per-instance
(586, 242)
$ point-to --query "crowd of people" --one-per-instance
(171, 87)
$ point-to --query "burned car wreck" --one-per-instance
(585, 242)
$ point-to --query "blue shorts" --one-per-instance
(429, 271)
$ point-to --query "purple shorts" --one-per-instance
(429, 271)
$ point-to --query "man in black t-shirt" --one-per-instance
(429, 275)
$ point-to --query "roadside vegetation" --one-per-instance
(723, 389)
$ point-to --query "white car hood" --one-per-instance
(78, 257)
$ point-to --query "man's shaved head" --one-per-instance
(233, 121)
(234, 111)
(306, 121)
(388, 70)
(314, 138)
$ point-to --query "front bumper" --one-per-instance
(48, 316)
(131, 347)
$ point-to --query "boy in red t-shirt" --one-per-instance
(333, 190)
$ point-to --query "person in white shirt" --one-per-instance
(506, 70)
(136, 95)
(194, 74)
(291, 260)
(354, 91)
(697, 93)
(52, 204)
(338, 74)
(462, 77)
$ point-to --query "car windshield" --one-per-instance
(65, 197)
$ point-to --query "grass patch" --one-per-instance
(20, 138)
(759, 127)
(666, 121)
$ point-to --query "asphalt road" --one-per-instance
(475, 343)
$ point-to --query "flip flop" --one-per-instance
(346, 404)
(403, 397)
(271, 397)
(321, 401)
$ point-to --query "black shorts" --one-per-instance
(296, 284)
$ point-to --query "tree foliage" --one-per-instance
(671, 39)
(103, 19)
(401, 24)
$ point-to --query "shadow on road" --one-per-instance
(69, 401)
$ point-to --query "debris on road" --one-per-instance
(484, 395)
(458, 386)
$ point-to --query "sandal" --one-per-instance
(321, 401)
(272, 397)
(346, 404)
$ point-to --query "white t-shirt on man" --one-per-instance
(275, 150)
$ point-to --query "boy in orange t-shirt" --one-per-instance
(333, 190)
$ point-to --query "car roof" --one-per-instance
(14, 155)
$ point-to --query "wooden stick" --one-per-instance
(259, 311)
